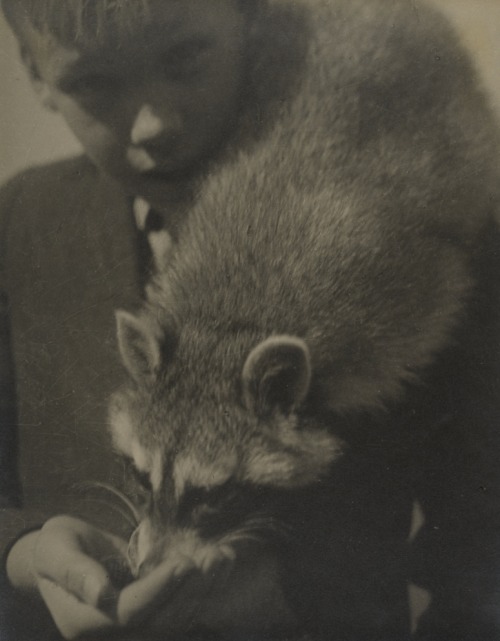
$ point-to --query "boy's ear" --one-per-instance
(41, 88)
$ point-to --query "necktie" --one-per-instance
(155, 242)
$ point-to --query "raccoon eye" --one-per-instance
(141, 478)
(199, 501)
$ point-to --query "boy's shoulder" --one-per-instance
(54, 178)
(46, 188)
(37, 199)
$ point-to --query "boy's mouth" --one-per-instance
(140, 160)
(149, 167)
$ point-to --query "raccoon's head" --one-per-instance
(214, 432)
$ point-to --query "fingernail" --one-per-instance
(185, 565)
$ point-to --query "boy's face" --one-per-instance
(148, 110)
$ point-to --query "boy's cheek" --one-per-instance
(98, 139)
(82, 116)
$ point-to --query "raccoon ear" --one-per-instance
(139, 347)
(277, 375)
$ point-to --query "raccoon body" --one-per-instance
(317, 282)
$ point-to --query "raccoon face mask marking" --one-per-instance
(206, 471)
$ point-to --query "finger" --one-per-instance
(140, 597)
(77, 574)
(72, 617)
(61, 556)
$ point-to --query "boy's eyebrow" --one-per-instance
(92, 63)
(78, 69)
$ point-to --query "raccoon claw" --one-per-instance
(182, 566)
(228, 552)
(215, 560)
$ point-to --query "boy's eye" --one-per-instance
(186, 58)
(89, 85)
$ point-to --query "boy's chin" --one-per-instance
(159, 186)
(161, 189)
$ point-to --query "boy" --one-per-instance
(155, 91)
(151, 90)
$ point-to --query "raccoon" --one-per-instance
(303, 340)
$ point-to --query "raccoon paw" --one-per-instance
(214, 559)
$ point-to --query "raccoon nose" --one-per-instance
(146, 550)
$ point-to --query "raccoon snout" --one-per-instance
(141, 551)
(147, 549)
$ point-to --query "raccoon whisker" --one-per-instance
(131, 516)
(258, 529)
(238, 537)
(268, 523)
(269, 526)
(260, 519)
(124, 514)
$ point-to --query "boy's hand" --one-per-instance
(78, 570)
(88, 562)
(115, 615)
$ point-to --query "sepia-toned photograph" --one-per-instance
(250, 320)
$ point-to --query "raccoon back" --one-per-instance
(351, 224)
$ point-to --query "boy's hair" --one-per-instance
(84, 22)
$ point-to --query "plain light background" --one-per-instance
(29, 135)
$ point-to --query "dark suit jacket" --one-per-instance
(69, 259)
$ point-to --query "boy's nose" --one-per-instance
(148, 125)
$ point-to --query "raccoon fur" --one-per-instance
(300, 344)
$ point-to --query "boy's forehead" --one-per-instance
(107, 23)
